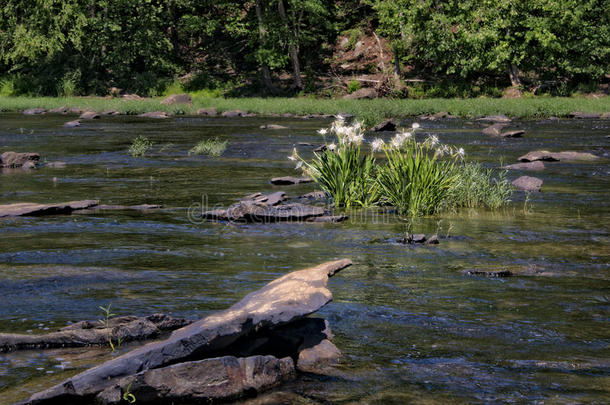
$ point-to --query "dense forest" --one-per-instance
(401, 48)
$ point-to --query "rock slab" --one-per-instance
(289, 180)
(260, 212)
(536, 165)
(545, 155)
(280, 302)
(17, 159)
(387, 125)
(33, 209)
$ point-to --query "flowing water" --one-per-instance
(412, 324)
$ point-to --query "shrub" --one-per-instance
(140, 146)
(353, 86)
(210, 147)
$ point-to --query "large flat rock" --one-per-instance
(261, 212)
(18, 159)
(33, 209)
(204, 381)
(85, 333)
(545, 155)
(280, 302)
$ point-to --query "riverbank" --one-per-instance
(371, 111)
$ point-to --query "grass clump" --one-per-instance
(476, 186)
(418, 178)
(210, 147)
(140, 146)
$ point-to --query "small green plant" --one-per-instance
(140, 146)
(7, 87)
(353, 86)
(211, 147)
(128, 396)
(105, 321)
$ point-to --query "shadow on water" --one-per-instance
(413, 325)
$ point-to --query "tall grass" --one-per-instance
(140, 146)
(368, 111)
(476, 186)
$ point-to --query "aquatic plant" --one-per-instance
(342, 169)
(415, 180)
(140, 146)
(211, 147)
(476, 186)
(418, 178)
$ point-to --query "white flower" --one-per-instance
(415, 125)
(299, 165)
(322, 131)
(439, 152)
(340, 117)
(294, 155)
(377, 144)
(332, 146)
(397, 141)
(461, 152)
(355, 138)
(433, 140)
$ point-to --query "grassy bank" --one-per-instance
(371, 111)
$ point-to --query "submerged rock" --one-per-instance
(556, 156)
(86, 333)
(314, 195)
(387, 125)
(280, 302)
(329, 218)
(288, 180)
(72, 124)
(503, 273)
(111, 112)
(528, 183)
(267, 199)
(18, 159)
(512, 134)
(56, 165)
(536, 165)
(154, 114)
(33, 209)
(272, 126)
(177, 99)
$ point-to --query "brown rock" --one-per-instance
(89, 115)
(494, 130)
(85, 333)
(495, 118)
(255, 212)
(528, 183)
(387, 125)
(581, 115)
(316, 358)
(204, 381)
(556, 156)
(177, 99)
(273, 126)
(268, 199)
(366, 92)
(111, 112)
(59, 110)
(209, 112)
(280, 302)
(154, 115)
(34, 111)
(72, 124)
(17, 159)
(536, 165)
(314, 195)
(288, 180)
(234, 113)
(512, 134)
(33, 209)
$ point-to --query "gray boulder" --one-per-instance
(494, 130)
(536, 165)
(89, 115)
(495, 118)
(72, 124)
(386, 125)
(34, 209)
(234, 113)
(260, 212)
(34, 111)
(154, 115)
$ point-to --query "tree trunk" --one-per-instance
(396, 64)
(263, 35)
(292, 49)
(513, 74)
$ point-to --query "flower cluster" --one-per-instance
(346, 134)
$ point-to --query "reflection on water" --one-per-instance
(412, 325)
